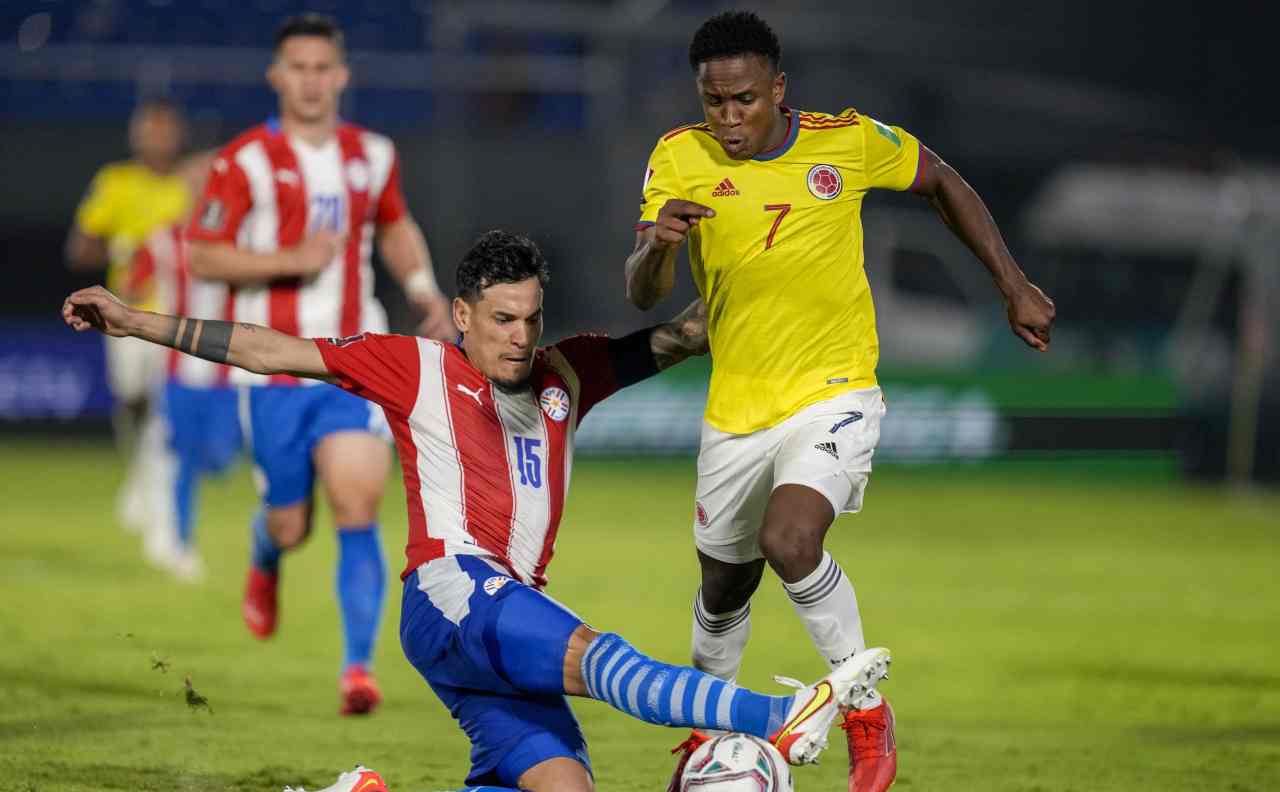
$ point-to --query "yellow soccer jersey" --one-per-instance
(791, 321)
(126, 203)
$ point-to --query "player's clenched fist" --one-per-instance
(1031, 316)
(96, 308)
(675, 218)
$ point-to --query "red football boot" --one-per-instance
(360, 694)
(259, 607)
(685, 749)
(873, 752)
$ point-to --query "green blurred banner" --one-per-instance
(932, 414)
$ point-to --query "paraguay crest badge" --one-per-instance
(555, 403)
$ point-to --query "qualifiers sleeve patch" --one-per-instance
(214, 216)
(346, 340)
(887, 132)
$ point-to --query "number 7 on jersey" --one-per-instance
(782, 210)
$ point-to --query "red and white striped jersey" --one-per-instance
(161, 262)
(267, 192)
(486, 470)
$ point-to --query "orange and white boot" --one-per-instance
(362, 779)
(803, 735)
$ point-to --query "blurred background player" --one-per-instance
(288, 220)
(770, 199)
(197, 406)
(125, 202)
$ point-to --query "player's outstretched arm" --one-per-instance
(683, 337)
(223, 261)
(651, 267)
(247, 346)
(1031, 313)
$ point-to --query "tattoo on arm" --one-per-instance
(680, 338)
(666, 347)
(205, 338)
(650, 274)
(670, 346)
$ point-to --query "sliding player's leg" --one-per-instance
(469, 627)
(456, 629)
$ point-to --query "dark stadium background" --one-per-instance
(541, 121)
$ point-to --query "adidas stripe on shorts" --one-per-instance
(826, 446)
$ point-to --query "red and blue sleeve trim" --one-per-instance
(920, 159)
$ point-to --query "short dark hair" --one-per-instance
(309, 25)
(158, 104)
(734, 33)
(500, 257)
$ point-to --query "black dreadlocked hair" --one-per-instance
(734, 33)
(500, 257)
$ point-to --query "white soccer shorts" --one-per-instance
(133, 367)
(826, 447)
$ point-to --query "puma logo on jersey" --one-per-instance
(830, 448)
(724, 189)
(475, 394)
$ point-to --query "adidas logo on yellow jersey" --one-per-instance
(724, 189)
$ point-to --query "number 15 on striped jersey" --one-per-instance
(528, 461)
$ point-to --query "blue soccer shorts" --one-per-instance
(204, 425)
(493, 651)
(286, 422)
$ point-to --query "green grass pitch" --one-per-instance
(1054, 628)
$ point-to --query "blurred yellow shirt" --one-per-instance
(791, 321)
(126, 202)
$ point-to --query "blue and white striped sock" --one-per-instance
(668, 695)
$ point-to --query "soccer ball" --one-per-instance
(736, 763)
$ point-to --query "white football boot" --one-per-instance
(803, 735)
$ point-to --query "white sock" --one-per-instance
(720, 639)
(825, 602)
